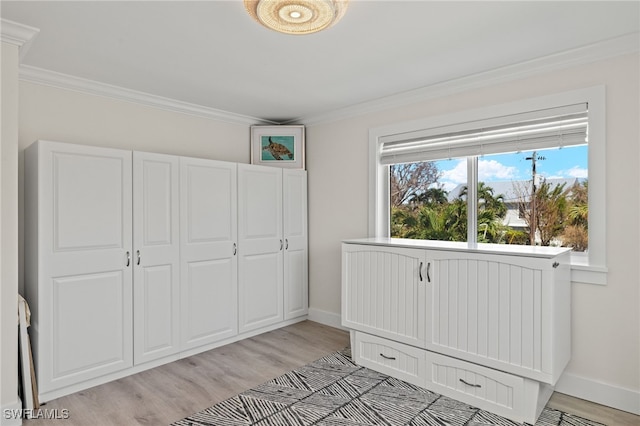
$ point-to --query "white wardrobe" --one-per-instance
(273, 238)
(136, 259)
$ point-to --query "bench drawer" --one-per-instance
(392, 358)
(482, 387)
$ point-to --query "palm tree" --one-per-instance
(576, 234)
(551, 211)
(579, 204)
(403, 222)
(491, 210)
(432, 195)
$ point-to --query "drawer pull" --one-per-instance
(388, 357)
(469, 384)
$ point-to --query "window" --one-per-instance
(453, 157)
(429, 200)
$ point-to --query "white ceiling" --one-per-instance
(212, 54)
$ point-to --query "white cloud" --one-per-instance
(492, 170)
(455, 176)
(488, 170)
(576, 172)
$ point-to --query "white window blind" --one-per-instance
(547, 128)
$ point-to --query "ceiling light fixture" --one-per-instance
(296, 16)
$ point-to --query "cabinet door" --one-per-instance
(384, 291)
(84, 320)
(208, 265)
(156, 259)
(261, 246)
(496, 310)
(296, 281)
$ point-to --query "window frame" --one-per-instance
(585, 267)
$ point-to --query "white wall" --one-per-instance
(68, 116)
(606, 322)
(8, 230)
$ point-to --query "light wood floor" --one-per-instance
(168, 393)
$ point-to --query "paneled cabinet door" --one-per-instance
(261, 245)
(384, 291)
(83, 316)
(499, 311)
(296, 281)
(208, 247)
(156, 257)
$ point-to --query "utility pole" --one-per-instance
(533, 223)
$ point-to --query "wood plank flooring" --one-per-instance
(599, 413)
(170, 392)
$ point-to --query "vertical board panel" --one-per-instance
(463, 304)
(443, 284)
(515, 322)
(363, 306)
(452, 284)
(527, 319)
(382, 292)
(435, 303)
(544, 350)
(490, 307)
(402, 300)
(473, 307)
(380, 279)
(483, 309)
(503, 325)
(493, 298)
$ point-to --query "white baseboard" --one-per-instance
(600, 393)
(11, 414)
(327, 318)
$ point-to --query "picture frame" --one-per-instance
(278, 146)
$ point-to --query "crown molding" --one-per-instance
(19, 35)
(629, 43)
(68, 82)
(626, 44)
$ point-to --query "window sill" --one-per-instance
(582, 272)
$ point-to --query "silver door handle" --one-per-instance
(470, 384)
(139, 257)
(286, 244)
(235, 249)
(420, 271)
(429, 272)
(281, 244)
(128, 259)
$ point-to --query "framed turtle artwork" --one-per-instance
(279, 146)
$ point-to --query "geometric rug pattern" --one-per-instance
(333, 391)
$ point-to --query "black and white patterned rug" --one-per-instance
(333, 391)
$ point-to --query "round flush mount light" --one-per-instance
(296, 16)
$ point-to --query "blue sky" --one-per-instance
(558, 163)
